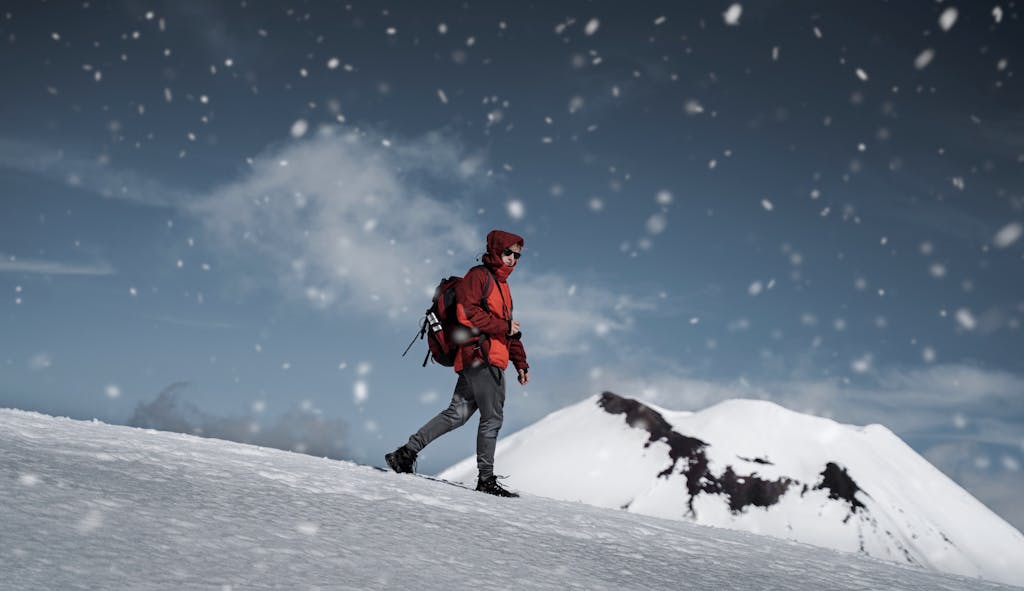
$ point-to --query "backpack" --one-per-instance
(444, 334)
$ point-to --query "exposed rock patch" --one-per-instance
(741, 490)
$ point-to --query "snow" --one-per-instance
(1008, 235)
(732, 15)
(299, 128)
(948, 18)
(911, 512)
(93, 506)
(924, 58)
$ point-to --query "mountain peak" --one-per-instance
(754, 465)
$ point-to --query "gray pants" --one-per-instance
(483, 388)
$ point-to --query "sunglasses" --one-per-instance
(508, 252)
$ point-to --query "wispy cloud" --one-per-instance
(95, 175)
(349, 222)
(561, 317)
(343, 222)
(926, 400)
(12, 264)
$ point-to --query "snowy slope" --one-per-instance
(755, 466)
(93, 506)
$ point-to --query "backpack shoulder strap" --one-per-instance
(492, 279)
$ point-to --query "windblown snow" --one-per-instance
(93, 506)
(755, 466)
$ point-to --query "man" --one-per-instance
(484, 305)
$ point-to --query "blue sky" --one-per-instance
(246, 206)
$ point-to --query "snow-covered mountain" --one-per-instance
(755, 466)
(84, 505)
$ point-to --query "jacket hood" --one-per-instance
(497, 241)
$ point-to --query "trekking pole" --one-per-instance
(420, 335)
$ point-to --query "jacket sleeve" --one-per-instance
(468, 298)
(517, 354)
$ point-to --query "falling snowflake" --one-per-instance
(1008, 235)
(360, 392)
(924, 58)
(516, 209)
(592, 26)
(299, 128)
(656, 224)
(948, 18)
(965, 319)
(862, 365)
(732, 15)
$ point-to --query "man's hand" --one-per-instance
(513, 328)
(524, 377)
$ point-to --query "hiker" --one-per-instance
(484, 306)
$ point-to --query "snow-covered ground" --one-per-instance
(94, 506)
(755, 466)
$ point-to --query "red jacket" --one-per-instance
(497, 348)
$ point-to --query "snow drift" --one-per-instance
(752, 465)
(93, 506)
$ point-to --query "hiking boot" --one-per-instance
(490, 486)
(402, 460)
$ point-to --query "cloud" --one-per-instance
(301, 430)
(348, 222)
(11, 264)
(354, 223)
(95, 175)
(344, 223)
(912, 402)
(560, 318)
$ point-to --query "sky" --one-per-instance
(230, 217)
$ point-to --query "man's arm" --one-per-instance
(517, 355)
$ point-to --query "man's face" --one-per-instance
(509, 259)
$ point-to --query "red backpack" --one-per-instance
(441, 327)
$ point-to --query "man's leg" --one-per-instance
(453, 417)
(488, 384)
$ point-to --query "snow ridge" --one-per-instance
(94, 506)
(752, 465)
